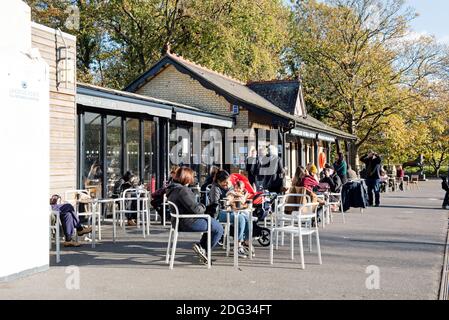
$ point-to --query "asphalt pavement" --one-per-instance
(391, 252)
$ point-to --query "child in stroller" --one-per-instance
(262, 205)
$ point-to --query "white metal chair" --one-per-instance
(74, 197)
(334, 199)
(279, 218)
(56, 228)
(174, 230)
(300, 225)
(414, 179)
(164, 209)
(142, 209)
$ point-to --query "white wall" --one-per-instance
(24, 145)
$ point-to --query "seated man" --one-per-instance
(332, 179)
(69, 221)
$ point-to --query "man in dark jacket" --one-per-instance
(252, 167)
(445, 186)
(271, 171)
(332, 179)
(373, 163)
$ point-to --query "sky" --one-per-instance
(433, 18)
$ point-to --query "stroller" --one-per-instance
(262, 202)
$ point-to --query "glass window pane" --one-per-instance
(92, 174)
(149, 133)
(114, 150)
(132, 146)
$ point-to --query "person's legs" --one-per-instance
(377, 192)
(200, 225)
(446, 200)
(215, 234)
(243, 226)
(69, 221)
(369, 184)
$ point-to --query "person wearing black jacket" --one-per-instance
(332, 179)
(182, 196)
(445, 186)
(373, 163)
(252, 167)
(271, 171)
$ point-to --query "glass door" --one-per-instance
(91, 158)
(113, 151)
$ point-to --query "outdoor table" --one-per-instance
(248, 211)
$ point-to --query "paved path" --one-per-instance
(404, 239)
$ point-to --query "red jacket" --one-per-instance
(308, 182)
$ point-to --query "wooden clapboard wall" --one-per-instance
(63, 133)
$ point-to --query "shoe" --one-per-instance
(85, 230)
(132, 223)
(247, 251)
(447, 208)
(71, 243)
(220, 242)
(377, 205)
(200, 252)
(242, 252)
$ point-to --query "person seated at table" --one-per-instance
(182, 196)
(303, 200)
(127, 181)
(297, 188)
(69, 221)
(219, 192)
(210, 178)
(331, 178)
(308, 181)
(400, 174)
(300, 173)
(313, 171)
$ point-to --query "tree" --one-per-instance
(243, 38)
(59, 14)
(357, 68)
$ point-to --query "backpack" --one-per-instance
(157, 197)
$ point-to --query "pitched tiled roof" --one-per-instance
(232, 89)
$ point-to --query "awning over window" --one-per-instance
(325, 137)
(105, 100)
(203, 118)
(303, 133)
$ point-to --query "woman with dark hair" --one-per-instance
(218, 192)
(180, 194)
(341, 168)
(210, 178)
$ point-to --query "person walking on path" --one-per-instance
(373, 163)
(445, 186)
